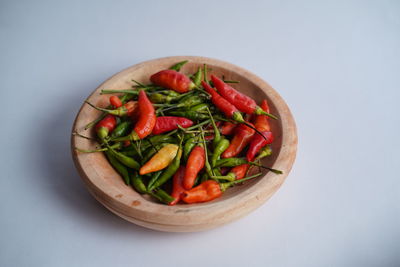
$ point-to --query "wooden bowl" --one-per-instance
(108, 188)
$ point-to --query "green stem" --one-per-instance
(225, 186)
(110, 91)
(209, 170)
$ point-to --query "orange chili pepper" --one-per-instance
(115, 101)
(147, 118)
(204, 192)
(240, 140)
(240, 171)
(194, 164)
(177, 185)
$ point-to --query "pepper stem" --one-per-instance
(225, 186)
(209, 170)
(260, 111)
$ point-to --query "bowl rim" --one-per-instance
(224, 210)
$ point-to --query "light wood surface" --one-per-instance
(108, 188)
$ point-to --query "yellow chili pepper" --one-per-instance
(160, 160)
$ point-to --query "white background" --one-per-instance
(336, 63)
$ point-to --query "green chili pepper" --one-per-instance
(153, 179)
(122, 129)
(199, 107)
(190, 100)
(189, 145)
(137, 182)
(162, 196)
(178, 65)
(121, 169)
(230, 162)
(193, 115)
(217, 134)
(170, 171)
(197, 77)
(218, 150)
(127, 161)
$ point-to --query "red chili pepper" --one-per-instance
(194, 164)
(242, 137)
(177, 185)
(115, 101)
(209, 137)
(227, 128)
(204, 192)
(169, 123)
(127, 143)
(240, 171)
(261, 122)
(240, 101)
(105, 126)
(258, 142)
(173, 80)
(147, 118)
(222, 104)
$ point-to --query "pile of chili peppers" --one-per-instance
(186, 135)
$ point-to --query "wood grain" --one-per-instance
(108, 188)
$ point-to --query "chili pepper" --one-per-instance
(206, 191)
(154, 178)
(105, 126)
(194, 164)
(170, 96)
(178, 65)
(222, 104)
(170, 171)
(207, 163)
(199, 107)
(127, 109)
(121, 169)
(127, 161)
(242, 137)
(209, 190)
(147, 118)
(172, 79)
(177, 185)
(240, 171)
(261, 122)
(121, 129)
(115, 101)
(218, 150)
(258, 142)
(197, 77)
(230, 162)
(240, 101)
(137, 182)
(187, 148)
(228, 128)
(126, 143)
(193, 115)
(190, 100)
(151, 151)
(123, 98)
(162, 196)
(160, 160)
(169, 123)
